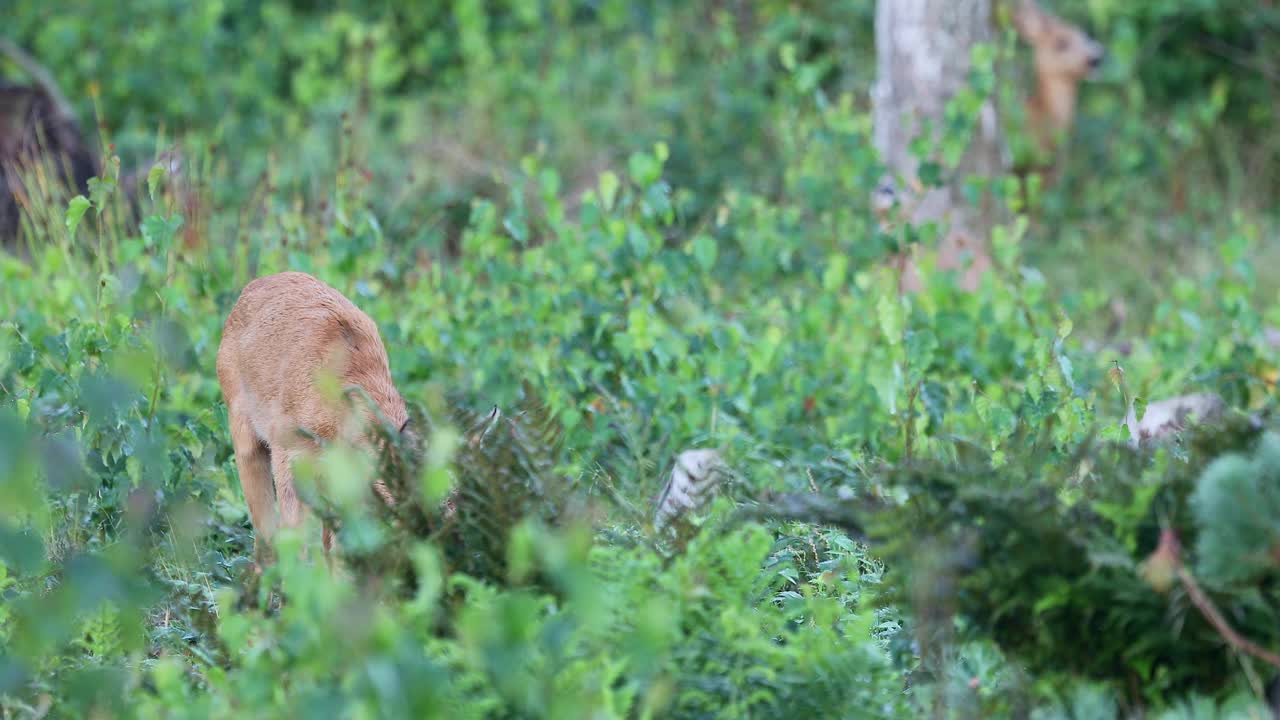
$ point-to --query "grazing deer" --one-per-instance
(283, 332)
(1064, 56)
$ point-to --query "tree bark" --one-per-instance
(923, 58)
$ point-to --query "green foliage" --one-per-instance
(1033, 553)
(502, 472)
(635, 229)
(1237, 508)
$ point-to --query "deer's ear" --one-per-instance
(1028, 19)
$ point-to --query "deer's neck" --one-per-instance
(384, 395)
(1052, 108)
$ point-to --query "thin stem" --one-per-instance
(910, 426)
(1219, 623)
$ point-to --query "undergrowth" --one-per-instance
(593, 239)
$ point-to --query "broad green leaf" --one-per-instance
(75, 211)
(891, 313)
(154, 176)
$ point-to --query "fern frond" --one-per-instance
(503, 471)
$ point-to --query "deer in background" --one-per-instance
(1064, 57)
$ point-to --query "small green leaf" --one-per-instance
(705, 251)
(1139, 407)
(99, 189)
(158, 231)
(644, 169)
(1035, 387)
(930, 174)
(837, 270)
(1064, 365)
(608, 189)
(154, 176)
(639, 241)
(787, 56)
(517, 228)
(550, 181)
(921, 345)
(435, 481)
(75, 211)
(889, 310)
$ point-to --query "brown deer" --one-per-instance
(283, 332)
(1064, 57)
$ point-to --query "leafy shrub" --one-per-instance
(660, 239)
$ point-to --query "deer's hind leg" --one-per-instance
(291, 509)
(253, 464)
(293, 512)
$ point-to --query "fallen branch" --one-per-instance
(1165, 563)
(1219, 623)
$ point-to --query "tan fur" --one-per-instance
(283, 331)
(1064, 56)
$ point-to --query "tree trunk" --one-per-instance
(923, 59)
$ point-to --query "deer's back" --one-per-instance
(285, 329)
